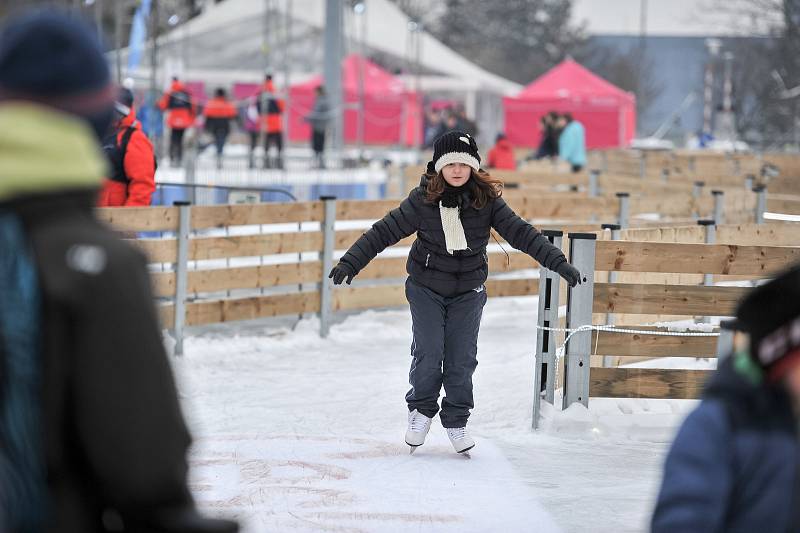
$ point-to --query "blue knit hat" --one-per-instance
(55, 59)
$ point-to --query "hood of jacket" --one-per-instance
(43, 150)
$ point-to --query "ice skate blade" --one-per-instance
(412, 450)
(465, 451)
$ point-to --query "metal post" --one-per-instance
(727, 331)
(710, 238)
(545, 367)
(643, 165)
(189, 166)
(749, 182)
(612, 278)
(761, 202)
(624, 209)
(118, 13)
(594, 185)
(328, 243)
(579, 313)
(697, 191)
(333, 69)
(719, 206)
(181, 273)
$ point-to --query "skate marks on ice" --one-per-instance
(310, 483)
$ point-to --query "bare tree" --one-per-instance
(496, 35)
(767, 113)
(630, 70)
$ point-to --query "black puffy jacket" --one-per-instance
(429, 263)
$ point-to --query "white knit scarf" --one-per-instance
(454, 237)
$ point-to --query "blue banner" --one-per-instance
(138, 35)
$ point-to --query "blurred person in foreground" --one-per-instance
(735, 463)
(501, 155)
(571, 142)
(131, 179)
(92, 438)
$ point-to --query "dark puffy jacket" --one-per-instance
(429, 263)
(734, 465)
(105, 413)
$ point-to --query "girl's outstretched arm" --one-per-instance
(398, 224)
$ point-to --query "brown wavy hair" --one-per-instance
(482, 186)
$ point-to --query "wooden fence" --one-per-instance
(741, 252)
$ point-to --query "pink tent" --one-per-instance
(391, 112)
(607, 112)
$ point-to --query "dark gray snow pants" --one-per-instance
(444, 351)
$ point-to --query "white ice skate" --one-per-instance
(460, 439)
(418, 426)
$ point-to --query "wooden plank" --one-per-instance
(364, 209)
(647, 383)
(232, 309)
(139, 218)
(512, 287)
(254, 277)
(369, 297)
(679, 300)
(783, 206)
(157, 250)
(166, 315)
(254, 245)
(163, 284)
(218, 216)
(776, 234)
(644, 345)
(693, 258)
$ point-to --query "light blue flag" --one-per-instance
(138, 34)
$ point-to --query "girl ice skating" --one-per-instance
(452, 212)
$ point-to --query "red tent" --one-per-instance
(607, 112)
(391, 112)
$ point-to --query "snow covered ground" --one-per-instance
(296, 433)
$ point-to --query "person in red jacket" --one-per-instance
(132, 163)
(219, 112)
(181, 112)
(502, 154)
(270, 112)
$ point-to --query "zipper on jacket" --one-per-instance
(427, 258)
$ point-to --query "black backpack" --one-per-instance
(116, 154)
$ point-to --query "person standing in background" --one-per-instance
(572, 142)
(319, 118)
(180, 108)
(501, 155)
(270, 111)
(219, 112)
(548, 145)
(132, 177)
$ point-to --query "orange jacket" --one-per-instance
(140, 168)
(502, 156)
(219, 107)
(180, 106)
(271, 118)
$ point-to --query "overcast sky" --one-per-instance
(664, 17)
